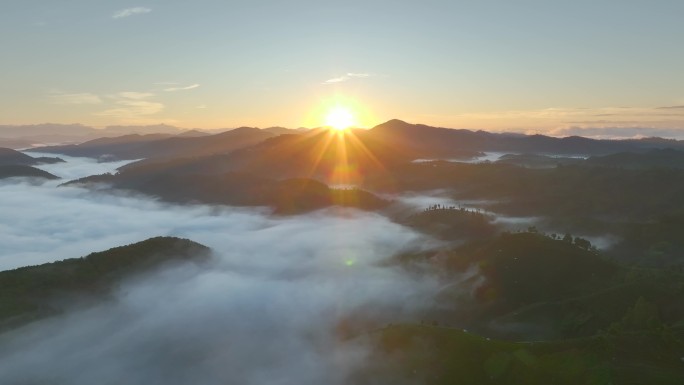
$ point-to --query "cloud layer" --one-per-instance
(132, 105)
(266, 310)
(190, 87)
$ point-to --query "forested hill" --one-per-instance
(444, 140)
(14, 171)
(13, 157)
(29, 293)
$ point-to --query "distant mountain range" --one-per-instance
(291, 170)
(137, 146)
(42, 134)
(246, 165)
(25, 136)
(423, 140)
(439, 142)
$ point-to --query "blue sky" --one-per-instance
(531, 66)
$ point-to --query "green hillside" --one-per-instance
(27, 293)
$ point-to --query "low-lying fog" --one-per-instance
(265, 310)
(415, 202)
(419, 201)
(76, 168)
(487, 157)
(493, 156)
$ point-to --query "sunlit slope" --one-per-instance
(290, 172)
(329, 155)
(14, 171)
(287, 196)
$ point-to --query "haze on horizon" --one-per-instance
(548, 67)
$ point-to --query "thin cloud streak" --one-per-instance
(671, 108)
(130, 12)
(346, 77)
(190, 87)
(132, 105)
(618, 132)
(75, 98)
(134, 95)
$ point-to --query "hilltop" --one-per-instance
(29, 293)
(13, 157)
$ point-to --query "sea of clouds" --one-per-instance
(266, 310)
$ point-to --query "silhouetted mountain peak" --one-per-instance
(192, 133)
(245, 129)
(393, 124)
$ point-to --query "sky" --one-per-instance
(557, 67)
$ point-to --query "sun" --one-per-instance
(340, 118)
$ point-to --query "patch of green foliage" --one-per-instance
(436, 356)
(561, 192)
(453, 223)
(655, 243)
(523, 268)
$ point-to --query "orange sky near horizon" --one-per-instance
(559, 68)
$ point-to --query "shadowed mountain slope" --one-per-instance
(13, 171)
(440, 142)
(13, 157)
(659, 158)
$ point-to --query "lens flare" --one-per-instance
(340, 118)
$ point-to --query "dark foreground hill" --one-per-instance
(539, 310)
(658, 158)
(34, 292)
(433, 355)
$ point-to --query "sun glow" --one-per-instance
(340, 118)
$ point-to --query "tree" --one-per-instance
(644, 315)
(582, 243)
